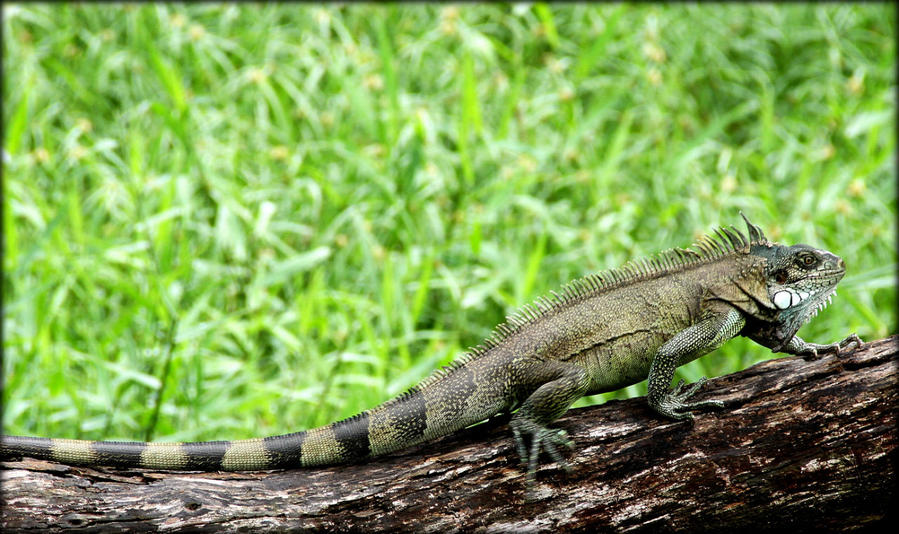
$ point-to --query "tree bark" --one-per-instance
(803, 445)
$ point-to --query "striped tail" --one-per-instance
(448, 401)
(410, 419)
(342, 442)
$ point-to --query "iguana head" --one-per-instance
(801, 280)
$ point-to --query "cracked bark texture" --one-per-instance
(804, 445)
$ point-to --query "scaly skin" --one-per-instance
(600, 333)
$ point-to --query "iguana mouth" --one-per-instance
(828, 273)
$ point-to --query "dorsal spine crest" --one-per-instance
(710, 247)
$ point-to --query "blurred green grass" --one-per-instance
(230, 221)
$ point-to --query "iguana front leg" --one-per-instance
(809, 351)
(689, 344)
(799, 347)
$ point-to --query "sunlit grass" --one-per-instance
(228, 221)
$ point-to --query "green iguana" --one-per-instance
(600, 333)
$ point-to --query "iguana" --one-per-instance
(599, 333)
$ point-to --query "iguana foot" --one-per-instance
(673, 404)
(809, 351)
(549, 439)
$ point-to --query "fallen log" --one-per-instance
(803, 445)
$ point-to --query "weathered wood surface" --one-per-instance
(804, 445)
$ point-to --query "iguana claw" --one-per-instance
(809, 351)
(674, 404)
(548, 439)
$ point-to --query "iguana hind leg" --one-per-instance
(563, 383)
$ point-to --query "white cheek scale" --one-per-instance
(785, 299)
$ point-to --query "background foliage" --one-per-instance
(223, 221)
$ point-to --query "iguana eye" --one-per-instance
(808, 259)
